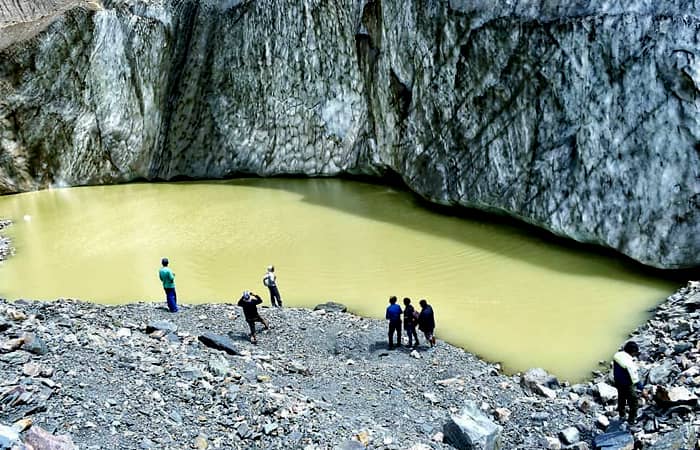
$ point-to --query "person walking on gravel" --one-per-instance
(270, 280)
(249, 301)
(627, 381)
(426, 321)
(410, 320)
(393, 315)
(167, 277)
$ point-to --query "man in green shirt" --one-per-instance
(167, 277)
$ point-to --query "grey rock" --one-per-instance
(351, 444)
(269, 427)
(34, 344)
(682, 347)
(161, 325)
(681, 439)
(619, 440)
(8, 437)
(331, 307)
(536, 377)
(219, 342)
(570, 435)
(4, 324)
(660, 374)
(605, 392)
(579, 119)
(218, 365)
(472, 429)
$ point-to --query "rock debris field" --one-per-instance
(80, 375)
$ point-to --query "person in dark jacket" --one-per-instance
(627, 381)
(249, 301)
(410, 320)
(393, 315)
(426, 321)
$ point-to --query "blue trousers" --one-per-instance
(171, 298)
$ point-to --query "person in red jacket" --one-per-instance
(249, 301)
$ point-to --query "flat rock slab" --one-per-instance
(219, 342)
(331, 307)
(618, 440)
(161, 325)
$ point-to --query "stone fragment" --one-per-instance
(606, 393)
(16, 315)
(4, 325)
(331, 307)
(502, 414)
(8, 436)
(218, 365)
(570, 435)
(34, 344)
(363, 438)
(268, 428)
(538, 377)
(552, 443)
(123, 333)
(31, 369)
(415, 354)
(602, 421)
(431, 397)
(352, 444)
(618, 440)
(438, 437)
(472, 429)
(200, 443)
(219, 342)
(680, 439)
(161, 325)
(660, 374)
(676, 395)
(39, 438)
(11, 345)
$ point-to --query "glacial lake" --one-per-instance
(502, 291)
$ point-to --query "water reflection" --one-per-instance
(500, 291)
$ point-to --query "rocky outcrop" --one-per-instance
(578, 117)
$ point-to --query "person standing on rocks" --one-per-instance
(627, 381)
(393, 315)
(270, 280)
(249, 301)
(167, 277)
(426, 321)
(410, 317)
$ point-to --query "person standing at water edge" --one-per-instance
(249, 301)
(627, 380)
(270, 280)
(426, 321)
(393, 315)
(410, 317)
(167, 277)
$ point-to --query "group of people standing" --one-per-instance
(412, 319)
(249, 301)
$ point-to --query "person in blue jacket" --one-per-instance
(393, 315)
(627, 381)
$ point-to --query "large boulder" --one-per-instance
(472, 430)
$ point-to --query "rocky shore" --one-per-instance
(80, 375)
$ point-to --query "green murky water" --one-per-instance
(497, 290)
